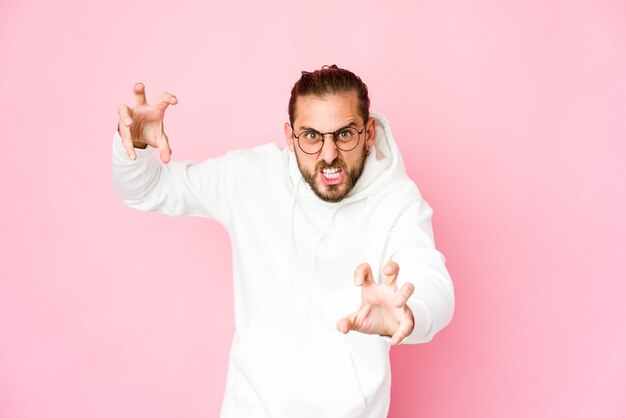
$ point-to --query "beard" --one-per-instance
(332, 192)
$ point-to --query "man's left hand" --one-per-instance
(383, 309)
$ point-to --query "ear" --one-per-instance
(371, 132)
(289, 136)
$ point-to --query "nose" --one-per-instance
(329, 149)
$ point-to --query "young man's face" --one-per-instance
(331, 172)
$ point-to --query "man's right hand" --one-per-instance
(143, 124)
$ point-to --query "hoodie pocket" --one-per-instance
(298, 376)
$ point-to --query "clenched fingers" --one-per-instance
(403, 294)
(164, 148)
(123, 128)
(390, 273)
(403, 330)
(363, 275)
(139, 90)
(125, 114)
(344, 325)
(353, 321)
(165, 100)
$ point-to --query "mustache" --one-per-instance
(337, 163)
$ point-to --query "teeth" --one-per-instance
(331, 173)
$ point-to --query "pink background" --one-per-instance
(511, 118)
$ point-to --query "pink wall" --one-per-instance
(511, 119)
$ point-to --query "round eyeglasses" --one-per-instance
(311, 141)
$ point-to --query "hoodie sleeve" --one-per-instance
(411, 245)
(175, 189)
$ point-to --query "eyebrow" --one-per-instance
(308, 128)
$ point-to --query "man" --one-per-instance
(332, 210)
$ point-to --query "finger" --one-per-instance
(390, 273)
(125, 114)
(404, 294)
(404, 329)
(140, 94)
(348, 323)
(164, 148)
(363, 275)
(124, 131)
(166, 100)
(343, 325)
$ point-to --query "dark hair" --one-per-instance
(329, 80)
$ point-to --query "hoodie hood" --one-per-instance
(382, 166)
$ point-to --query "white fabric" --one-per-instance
(293, 261)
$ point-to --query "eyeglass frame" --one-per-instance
(323, 134)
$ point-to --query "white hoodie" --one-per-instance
(294, 256)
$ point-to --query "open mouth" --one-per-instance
(331, 175)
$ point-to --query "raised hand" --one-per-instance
(143, 124)
(383, 309)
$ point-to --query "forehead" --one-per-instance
(327, 112)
